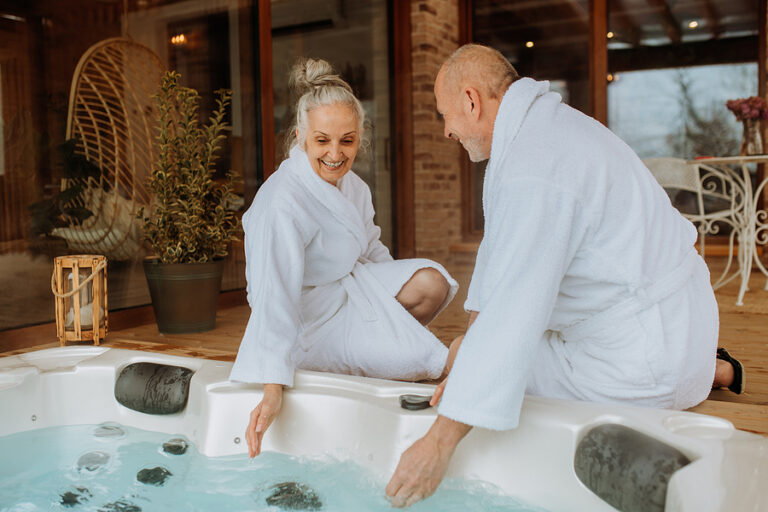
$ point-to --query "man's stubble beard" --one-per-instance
(473, 146)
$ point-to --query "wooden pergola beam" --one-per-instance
(529, 13)
(671, 27)
(628, 30)
(712, 18)
(698, 53)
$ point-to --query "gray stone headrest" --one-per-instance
(627, 469)
(153, 388)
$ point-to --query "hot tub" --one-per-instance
(549, 460)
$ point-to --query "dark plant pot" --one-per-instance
(184, 295)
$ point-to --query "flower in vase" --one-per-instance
(750, 108)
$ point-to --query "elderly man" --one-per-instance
(586, 286)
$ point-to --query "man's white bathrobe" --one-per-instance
(322, 286)
(587, 283)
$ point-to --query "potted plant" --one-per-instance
(188, 225)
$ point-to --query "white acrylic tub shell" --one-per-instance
(360, 419)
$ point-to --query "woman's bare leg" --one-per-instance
(424, 293)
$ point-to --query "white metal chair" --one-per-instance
(718, 202)
(112, 119)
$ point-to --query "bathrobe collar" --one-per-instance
(342, 209)
(513, 110)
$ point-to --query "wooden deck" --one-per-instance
(743, 332)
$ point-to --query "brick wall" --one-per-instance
(437, 181)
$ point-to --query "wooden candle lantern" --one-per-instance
(79, 284)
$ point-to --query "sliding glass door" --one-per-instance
(247, 46)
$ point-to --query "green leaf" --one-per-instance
(189, 220)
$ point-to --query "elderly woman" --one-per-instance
(324, 292)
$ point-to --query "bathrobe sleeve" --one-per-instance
(532, 234)
(376, 252)
(473, 292)
(275, 249)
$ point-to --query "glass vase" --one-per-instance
(751, 142)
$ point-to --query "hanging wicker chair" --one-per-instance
(112, 119)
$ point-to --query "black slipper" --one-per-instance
(739, 375)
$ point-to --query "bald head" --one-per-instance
(480, 67)
(468, 92)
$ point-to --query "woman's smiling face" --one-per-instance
(332, 140)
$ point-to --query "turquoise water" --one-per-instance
(112, 468)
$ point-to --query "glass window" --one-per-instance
(543, 40)
(680, 111)
(673, 65)
(210, 43)
(352, 36)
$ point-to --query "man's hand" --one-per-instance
(438, 393)
(262, 417)
(423, 465)
(472, 318)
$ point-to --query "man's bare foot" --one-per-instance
(729, 372)
(723, 374)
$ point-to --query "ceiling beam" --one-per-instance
(538, 14)
(626, 29)
(519, 5)
(712, 18)
(700, 53)
(668, 21)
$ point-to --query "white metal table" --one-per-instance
(749, 223)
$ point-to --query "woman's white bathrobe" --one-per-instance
(322, 286)
(587, 283)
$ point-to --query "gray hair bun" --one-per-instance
(316, 84)
(310, 74)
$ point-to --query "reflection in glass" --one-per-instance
(354, 40)
(672, 66)
(542, 40)
(680, 111)
(46, 188)
(213, 45)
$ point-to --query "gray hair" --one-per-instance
(316, 85)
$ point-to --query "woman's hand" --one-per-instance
(262, 417)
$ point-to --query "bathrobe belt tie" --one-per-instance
(644, 298)
(356, 295)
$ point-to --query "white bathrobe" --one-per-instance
(586, 281)
(322, 286)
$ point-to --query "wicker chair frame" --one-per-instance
(111, 117)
